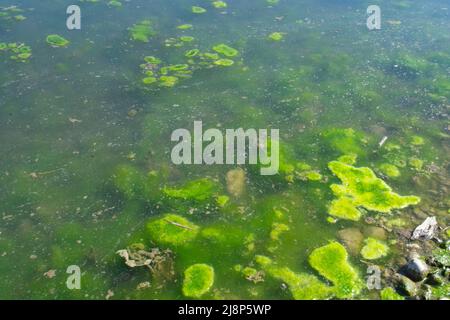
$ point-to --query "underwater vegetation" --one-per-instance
(142, 31)
(198, 279)
(374, 249)
(18, 51)
(87, 177)
(331, 262)
(11, 13)
(362, 188)
(172, 229)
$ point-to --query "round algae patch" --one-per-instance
(57, 41)
(172, 229)
(198, 279)
(374, 249)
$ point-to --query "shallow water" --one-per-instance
(70, 116)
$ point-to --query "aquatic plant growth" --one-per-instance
(17, 51)
(362, 188)
(89, 121)
(56, 41)
(198, 279)
(142, 31)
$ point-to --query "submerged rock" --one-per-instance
(427, 230)
(416, 269)
(236, 182)
(352, 239)
(405, 285)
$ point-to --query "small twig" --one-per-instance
(179, 225)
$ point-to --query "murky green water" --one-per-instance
(70, 117)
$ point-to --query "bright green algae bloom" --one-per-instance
(142, 31)
(374, 249)
(20, 52)
(198, 10)
(224, 62)
(302, 285)
(185, 26)
(192, 53)
(172, 229)
(225, 50)
(331, 262)
(390, 294)
(57, 41)
(276, 36)
(199, 190)
(362, 188)
(198, 279)
(219, 4)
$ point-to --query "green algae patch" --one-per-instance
(225, 50)
(172, 229)
(115, 3)
(219, 4)
(192, 53)
(362, 188)
(390, 294)
(276, 36)
(224, 62)
(348, 159)
(142, 31)
(301, 285)
(198, 280)
(390, 170)
(19, 51)
(57, 41)
(374, 249)
(198, 190)
(198, 10)
(331, 261)
(346, 141)
(185, 26)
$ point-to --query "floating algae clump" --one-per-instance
(172, 229)
(276, 36)
(390, 294)
(198, 279)
(302, 285)
(168, 81)
(362, 188)
(374, 249)
(225, 50)
(224, 62)
(192, 53)
(142, 31)
(331, 262)
(196, 9)
(20, 52)
(219, 4)
(199, 190)
(57, 41)
(185, 27)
